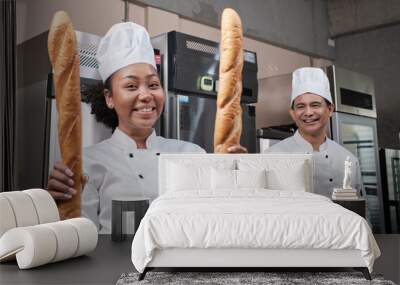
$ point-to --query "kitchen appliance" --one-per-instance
(390, 169)
(37, 146)
(189, 70)
(353, 125)
(352, 92)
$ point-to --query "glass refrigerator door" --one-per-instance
(358, 135)
(196, 120)
(391, 184)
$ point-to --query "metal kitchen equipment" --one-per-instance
(352, 92)
(353, 125)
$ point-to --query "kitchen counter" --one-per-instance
(104, 265)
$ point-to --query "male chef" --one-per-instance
(311, 108)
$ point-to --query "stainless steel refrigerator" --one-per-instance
(189, 68)
(353, 125)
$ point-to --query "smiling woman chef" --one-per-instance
(126, 163)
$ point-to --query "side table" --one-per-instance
(357, 206)
(122, 206)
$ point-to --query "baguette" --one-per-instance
(228, 121)
(64, 57)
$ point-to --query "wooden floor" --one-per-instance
(388, 263)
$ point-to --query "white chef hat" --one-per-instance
(124, 44)
(310, 80)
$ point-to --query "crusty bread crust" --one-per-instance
(228, 121)
(64, 57)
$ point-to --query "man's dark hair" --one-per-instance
(95, 96)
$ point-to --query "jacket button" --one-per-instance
(330, 179)
(131, 155)
(140, 176)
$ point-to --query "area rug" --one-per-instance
(244, 278)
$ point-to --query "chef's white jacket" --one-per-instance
(117, 168)
(328, 163)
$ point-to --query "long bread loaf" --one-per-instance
(228, 121)
(64, 57)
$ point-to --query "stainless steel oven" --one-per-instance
(352, 92)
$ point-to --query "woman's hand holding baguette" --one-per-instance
(237, 149)
(60, 184)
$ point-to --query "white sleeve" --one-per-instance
(192, 147)
(200, 150)
(90, 203)
(90, 199)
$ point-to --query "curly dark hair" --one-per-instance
(95, 96)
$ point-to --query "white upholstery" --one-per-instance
(183, 177)
(26, 208)
(233, 180)
(251, 178)
(223, 179)
(87, 235)
(185, 174)
(255, 257)
(32, 246)
(31, 232)
(23, 208)
(283, 171)
(7, 218)
(45, 206)
(40, 244)
(66, 238)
